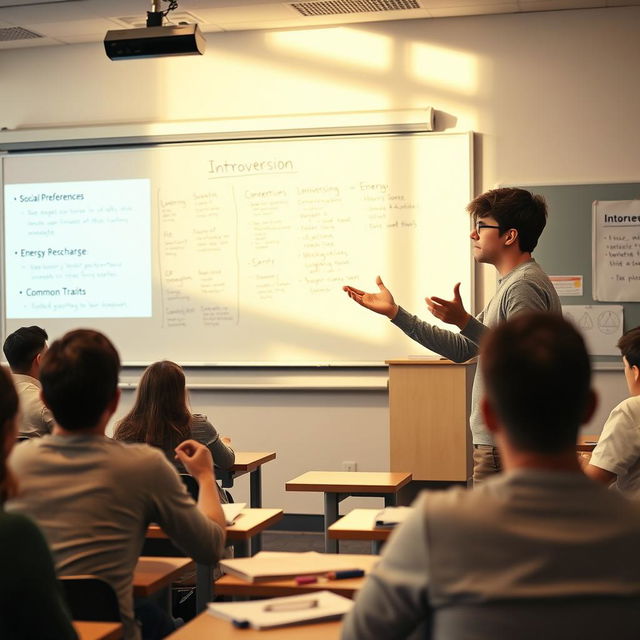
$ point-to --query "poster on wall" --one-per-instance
(600, 326)
(616, 250)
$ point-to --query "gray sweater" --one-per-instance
(530, 554)
(525, 288)
(93, 499)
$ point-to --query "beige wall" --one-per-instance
(553, 97)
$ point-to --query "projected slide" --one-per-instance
(78, 249)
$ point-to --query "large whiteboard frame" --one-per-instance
(447, 233)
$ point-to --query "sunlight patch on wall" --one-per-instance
(350, 48)
(443, 68)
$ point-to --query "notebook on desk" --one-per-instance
(391, 517)
(280, 612)
(232, 510)
(273, 565)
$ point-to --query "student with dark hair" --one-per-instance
(31, 600)
(616, 458)
(161, 417)
(23, 350)
(539, 551)
(94, 497)
(506, 226)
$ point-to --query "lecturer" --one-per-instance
(507, 225)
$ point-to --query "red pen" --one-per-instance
(331, 575)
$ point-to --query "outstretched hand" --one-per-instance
(449, 311)
(381, 302)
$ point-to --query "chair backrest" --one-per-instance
(90, 598)
(191, 484)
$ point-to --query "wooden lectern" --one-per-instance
(429, 404)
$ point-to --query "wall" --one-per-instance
(552, 96)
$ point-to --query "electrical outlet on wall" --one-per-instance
(349, 465)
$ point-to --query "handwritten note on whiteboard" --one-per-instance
(616, 250)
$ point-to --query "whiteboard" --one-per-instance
(236, 252)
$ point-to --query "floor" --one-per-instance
(307, 541)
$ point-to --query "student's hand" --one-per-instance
(449, 311)
(381, 302)
(225, 440)
(196, 458)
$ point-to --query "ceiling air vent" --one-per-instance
(339, 7)
(10, 34)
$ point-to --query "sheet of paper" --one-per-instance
(600, 325)
(232, 510)
(278, 612)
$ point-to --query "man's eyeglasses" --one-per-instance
(480, 226)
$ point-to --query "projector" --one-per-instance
(154, 42)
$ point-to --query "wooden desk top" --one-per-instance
(207, 626)
(246, 525)
(232, 586)
(100, 630)
(349, 481)
(586, 442)
(247, 461)
(154, 573)
(358, 524)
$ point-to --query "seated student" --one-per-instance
(23, 350)
(31, 601)
(161, 417)
(616, 457)
(94, 497)
(538, 552)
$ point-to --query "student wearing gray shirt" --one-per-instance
(539, 551)
(506, 226)
(93, 497)
(162, 418)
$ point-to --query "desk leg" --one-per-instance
(241, 549)
(330, 516)
(204, 586)
(255, 501)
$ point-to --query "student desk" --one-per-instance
(360, 524)
(99, 630)
(338, 485)
(587, 442)
(155, 573)
(231, 586)
(207, 626)
(248, 462)
(248, 524)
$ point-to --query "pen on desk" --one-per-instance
(332, 575)
(291, 606)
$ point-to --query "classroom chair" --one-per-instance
(90, 598)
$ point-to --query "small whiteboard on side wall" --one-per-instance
(616, 250)
(236, 252)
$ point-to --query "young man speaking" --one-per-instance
(507, 224)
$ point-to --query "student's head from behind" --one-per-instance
(79, 377)
(8, 431)
(160, 415)
(629, 345)
(24, 348)
(537, 378)
(512, 210)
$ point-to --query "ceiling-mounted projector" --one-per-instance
(153, 42)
